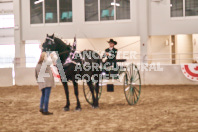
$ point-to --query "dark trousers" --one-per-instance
(108, 63)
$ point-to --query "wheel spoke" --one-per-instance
(87, 92)
(135, 93)
(89, 95)
(131, 73)
(128, 76)
(136, 79)
(126, 89)
(128, 94)
(132, 84)
(136, 89)
(131, 95)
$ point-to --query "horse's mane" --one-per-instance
(62, 45)
(59, 41)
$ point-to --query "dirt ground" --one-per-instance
(160, 108)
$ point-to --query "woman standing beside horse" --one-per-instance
(45, 85)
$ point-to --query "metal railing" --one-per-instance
(179, 58)
(8, 62)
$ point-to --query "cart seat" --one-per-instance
(120, 60)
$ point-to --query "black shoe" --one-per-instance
(47, 113)
(41, 110)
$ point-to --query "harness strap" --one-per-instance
(50, 38)
(71, 57)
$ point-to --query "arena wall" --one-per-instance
(25, 76)
(6, 77)
(171, 75)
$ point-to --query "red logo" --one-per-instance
(196, 68)
(190, 71)
(55, 74)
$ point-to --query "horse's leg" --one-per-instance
(97, 91)
(89, 83)
(66, 108)
(78, 107)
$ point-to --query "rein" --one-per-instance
(63, 52)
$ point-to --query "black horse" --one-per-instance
(71, 61)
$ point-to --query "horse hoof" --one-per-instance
(78, 109)
(66, 109)
(95, 107)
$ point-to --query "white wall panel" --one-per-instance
(162, 24)
(171, 75)
(6, 77)
(25, 76)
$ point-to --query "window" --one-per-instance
(91, 10)
(191, 7)
(108, 10)
(50, 11)
(36, 12)
(65, 10)
(176, 8)
(122, 9)
(6, 21)
(46, 11)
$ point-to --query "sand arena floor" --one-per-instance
(160, 108)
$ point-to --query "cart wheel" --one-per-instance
(132, 84)
(87, 92)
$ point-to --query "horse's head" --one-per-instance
(53, 43)
(49, 44)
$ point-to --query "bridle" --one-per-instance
(50, 39)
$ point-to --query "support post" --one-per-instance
(144, 28)
(19, 60)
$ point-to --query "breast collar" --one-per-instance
(71, 58)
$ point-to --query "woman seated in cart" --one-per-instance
(110, 54)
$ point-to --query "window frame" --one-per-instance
(109, 21)
(58, 19)
(184, 13)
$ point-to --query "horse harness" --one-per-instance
(71, 57)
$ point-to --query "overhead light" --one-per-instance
(171, 5)
(38, 1)
(117, 4)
